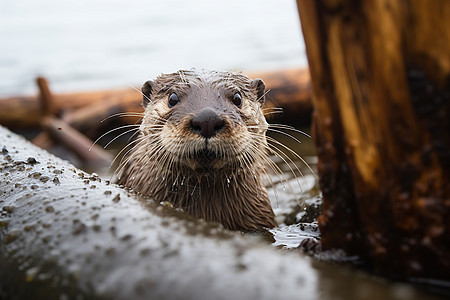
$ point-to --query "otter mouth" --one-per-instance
(205, 156)
(206, 159)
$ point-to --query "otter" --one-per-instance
(202, 146)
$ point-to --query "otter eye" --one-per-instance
(173, 100)
(237, 100)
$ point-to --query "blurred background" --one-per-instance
(81, 45)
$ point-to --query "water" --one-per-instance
(85, 45)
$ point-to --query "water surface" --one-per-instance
(85, 45)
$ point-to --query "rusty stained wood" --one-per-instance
(380, 76)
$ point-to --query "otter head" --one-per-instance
(202, 146)
(204, 121)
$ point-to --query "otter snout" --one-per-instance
(207, 122)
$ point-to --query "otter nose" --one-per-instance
(207, 122)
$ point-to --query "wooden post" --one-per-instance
(48, 108)
(46, 97)
(380, 76)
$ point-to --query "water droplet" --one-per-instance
(228, 182)
(174, 186)
(31, 274)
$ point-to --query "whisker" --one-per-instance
(278, 172)
(272, 185)
(122, 164)
(272, 108)
(263, 95)
(149, 100)
(285, 134)
(122, 134)
(270, 162)
(272, 113)
(123, 114)
(123, 149)
(287, 161)
(296, 155)
(287, 127)
(125, 158)
(110, 131)
(128, 145)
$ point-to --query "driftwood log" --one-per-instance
(289, 89)
(380, 73)
(25, 111)
(66, 234)
(59, 132)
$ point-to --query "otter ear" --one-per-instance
(260, 88)
(146, 92)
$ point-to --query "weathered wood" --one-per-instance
(96, 118)
(24, 112)
(45, 97)
(66, 234)
(289, 90)
(43, 140)
(48, 108)
(380, 74)
(63, 134)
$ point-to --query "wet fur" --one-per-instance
(217, 179)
